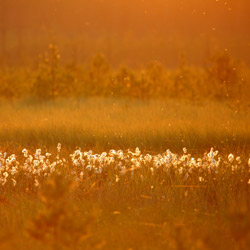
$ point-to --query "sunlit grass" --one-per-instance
(111, 123)
(123, 199)
(129, 203)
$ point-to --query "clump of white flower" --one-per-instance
(230, 158)
(84, 164)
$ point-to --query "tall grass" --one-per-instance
(103, 123)
(137, 201)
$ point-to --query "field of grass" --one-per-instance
(128, 199)
(105, 123)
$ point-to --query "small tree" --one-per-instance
(224, 76)
(46, 83)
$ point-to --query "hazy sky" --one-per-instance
(179, 20)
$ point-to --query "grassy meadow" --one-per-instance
(112, 123)
(143, 198)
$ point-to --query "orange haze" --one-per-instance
(126, 31)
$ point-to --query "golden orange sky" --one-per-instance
(176, 21)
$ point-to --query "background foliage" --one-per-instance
(223, 78)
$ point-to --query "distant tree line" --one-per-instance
(223, 79)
